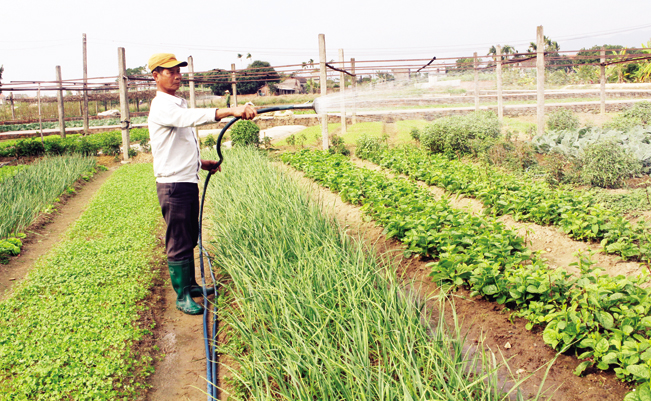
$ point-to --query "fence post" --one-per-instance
(602, 80)
(85, 108)
(124, 104)
(540, 78)
(234, 85)
(498, 72)
(193, 100)
(323, 82)
(62, 112)
(476, 81)
(11, 102)
(40, 115)
(354, 97)
(342, 89)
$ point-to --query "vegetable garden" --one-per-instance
(309, 311)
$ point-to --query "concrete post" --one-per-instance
(11, 103)
(85, 107)
(342, 88)
(323, 82)
(193, 101)
(602, 81)
(124, 104)
(498, 72)
(475, 64)
(354, 97)
(40, 114)
(233, 86)
(540, 78)
(61, 108)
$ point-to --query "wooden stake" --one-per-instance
(498, 70)
(323, 82)
(85, 108)
(342, 87)
(124, 104)
(540, 77)
(62, 112)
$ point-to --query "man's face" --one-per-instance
(168, 80)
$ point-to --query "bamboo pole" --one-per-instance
(193, 100)
(124, 104)
(323, 82)
(11, 103)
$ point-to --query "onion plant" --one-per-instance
(33, 189)
(314, 314)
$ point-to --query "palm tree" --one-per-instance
(506, 50)
(550, 46)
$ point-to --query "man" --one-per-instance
(175, 150)
(228, 99)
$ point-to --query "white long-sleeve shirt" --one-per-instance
(173, 141)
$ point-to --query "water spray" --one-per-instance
(210, 340)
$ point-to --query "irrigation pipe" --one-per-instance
(210, 336)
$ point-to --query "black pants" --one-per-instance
(179, 202)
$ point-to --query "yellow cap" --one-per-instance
(165, 60)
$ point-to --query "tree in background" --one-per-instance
(142, 70)
(506, 51)
(644, 72)
(465, 64)
(550, 46)
(256, 75)
(593, 55)
(2, 68)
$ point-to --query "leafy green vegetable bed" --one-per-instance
(73, 123)
(68, 330)
(575, 212)
(109, 143)
(313, 315)
(604, 319)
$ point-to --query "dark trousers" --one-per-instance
(179, 202)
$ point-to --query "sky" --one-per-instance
(39, 35)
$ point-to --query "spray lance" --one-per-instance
(211, 342)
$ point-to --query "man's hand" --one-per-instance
(211, 166)
(244, 112)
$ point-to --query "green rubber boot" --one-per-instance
(195, 289)
(180, 272)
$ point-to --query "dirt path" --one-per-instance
(45, 233)
(557, 247)
(483, 322)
